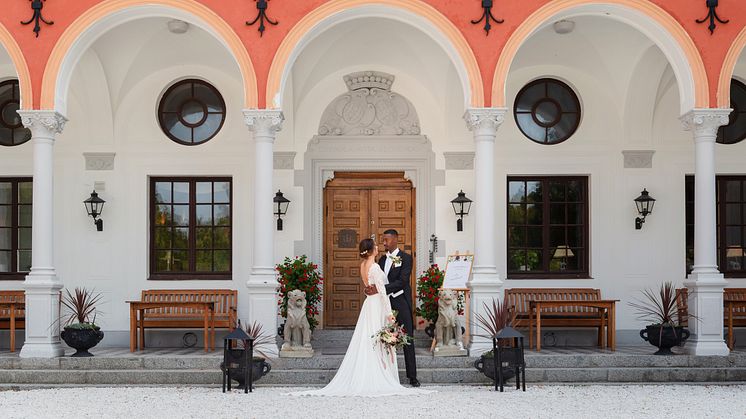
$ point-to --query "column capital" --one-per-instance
(42, 122)
(705, 122)
(264, 122)
(484, 118)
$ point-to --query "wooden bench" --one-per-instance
(734, 309)
(12, 313)
(183, 309)
(561, 307)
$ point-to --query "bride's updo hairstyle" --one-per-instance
(366, 247)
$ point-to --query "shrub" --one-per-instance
(300, 274)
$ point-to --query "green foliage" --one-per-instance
(82, 326)
(300, 274)
(81, 308)
(428, 285)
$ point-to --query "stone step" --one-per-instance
(323, 376)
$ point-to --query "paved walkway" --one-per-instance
(670, 401)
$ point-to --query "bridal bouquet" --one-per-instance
(391, 337)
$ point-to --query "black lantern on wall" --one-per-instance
(281, 208)
(95, 206)
(238, 355)
(507, 348)
(644, 204)
(461, 205)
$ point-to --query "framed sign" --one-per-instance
(458, 271)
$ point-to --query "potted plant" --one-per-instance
(660, 308)
(80, 330)
(428, 285)
(300, 274)
(260, 366)
(495, 318)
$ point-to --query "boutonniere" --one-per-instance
(396, 260)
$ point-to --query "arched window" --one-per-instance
(191, 112)
(547, 111)
(12, 131)
(735, 131)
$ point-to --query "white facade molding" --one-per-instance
(327, 154)
(99, 161)
(638, 159)
(262, 283)
(705, 283)
(42, 286)
(487, 119)
(459, 160)
(264, 123)
(369, 108)
(485, 283)
(44, 123)
(284, 160)
(704, 123)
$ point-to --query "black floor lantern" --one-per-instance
(238, 361)
(507, 347)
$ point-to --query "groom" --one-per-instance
(397, 266)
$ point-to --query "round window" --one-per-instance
(12, 131)
(547, 111)
(191, 112)
(735, 131)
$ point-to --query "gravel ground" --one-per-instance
(634, 401)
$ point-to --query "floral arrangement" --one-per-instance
(300, 274)
(391, 337)
(428, 285)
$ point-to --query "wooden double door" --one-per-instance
(360, 205)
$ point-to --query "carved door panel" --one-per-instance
(359, 205)
(347, 222)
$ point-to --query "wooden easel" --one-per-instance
(467, 296)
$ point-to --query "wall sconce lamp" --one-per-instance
(281, 208)
(95, 206)
(644, 204)
(461, 205)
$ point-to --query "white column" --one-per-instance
(705, 283)
(485, 283)
(42, 285)
(262, 283)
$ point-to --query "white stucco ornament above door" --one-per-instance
(369, 107)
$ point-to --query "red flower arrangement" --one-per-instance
(300, 274)
(428, 285)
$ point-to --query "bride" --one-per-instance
(365, 370)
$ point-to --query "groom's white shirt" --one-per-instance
(387, 268)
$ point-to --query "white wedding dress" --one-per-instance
(365, 370)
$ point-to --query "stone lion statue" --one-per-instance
(448, 326)
(297, 329)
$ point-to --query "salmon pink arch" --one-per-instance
(97, 20)
(19, 62)
(415, 13)
(648, 18)
(729, 66)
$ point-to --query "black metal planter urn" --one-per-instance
(664, 337)
(259, 367)
(486, 365)
(82, 339)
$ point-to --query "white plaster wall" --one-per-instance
(629, 99)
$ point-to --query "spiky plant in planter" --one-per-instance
(260, 365)
(80, 329)
(660, 309)
(495, 318)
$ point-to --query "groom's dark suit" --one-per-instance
(399, 281)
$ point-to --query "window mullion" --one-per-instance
(192, 224)
(14, 231)
(545, 252)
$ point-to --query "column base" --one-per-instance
(262, 287)
(485, 286)
(42, 350)
(705, 305)
(42, 315)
